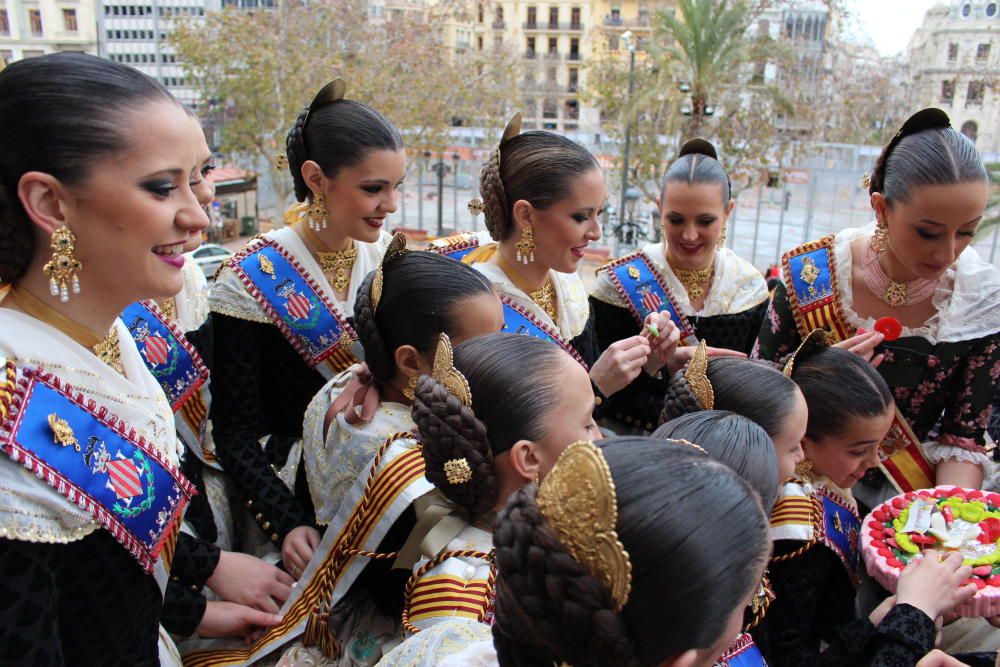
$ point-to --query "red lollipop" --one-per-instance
(889, 327)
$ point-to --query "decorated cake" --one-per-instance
(946, 519)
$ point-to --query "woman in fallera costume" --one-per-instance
(94, 209)
(542, 194)
(281, 306)
(710, 292)
(928, 191)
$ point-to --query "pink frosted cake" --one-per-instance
(947, 519)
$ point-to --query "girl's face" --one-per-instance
(565, 229)
(137, 209)
(693, 217)
(847, 456)
(201, 183)
(359, 198)
(788, 441)
(929, 232)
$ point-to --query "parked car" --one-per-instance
(209, 256)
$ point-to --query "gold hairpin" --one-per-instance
(396, 249)
(445, 372)
(816, 338)
(696, 375)
(281, 162)
(577, 499)
(687, 443)
(477, 207)
(457, 471)
(866, 181)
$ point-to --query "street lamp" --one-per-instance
(440, 169)
(630, 46)
(420, 190)
(455, 157)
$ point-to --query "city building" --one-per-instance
(954, 64)
(31, 28)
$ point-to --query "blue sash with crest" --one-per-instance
(168, 354)
(742, 653)
(811, 278)
(517, 320)
(645, 291)
(840, 528)
(94, 460)
(295, 304)
(455, 247)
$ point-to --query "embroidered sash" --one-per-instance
(311, 323)
(645, 291)
(519, 320)
(447, 595)
(811, 278)
(395, 479)
(742, 653)
(95, 461)
(456, 247)
(818, 516)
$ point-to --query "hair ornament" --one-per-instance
(280, 162)
(696, 375)
(699, 146)
(477, 206)
(457, 471)
(815, 339)
(577, 499)
(396, 249)
(444, 371)
(866, 181)
(333, 91)
(686, 443)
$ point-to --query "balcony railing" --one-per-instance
(617, 22)
(551, 26)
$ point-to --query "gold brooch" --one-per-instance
(577, 499)
(633, 272)
(449, 376)
(281, 162)
(265, 265)
(477, 207)
(62, 433)
(809, 273)
(457, 471)
(696, 375)
(816, 338)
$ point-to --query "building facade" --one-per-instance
(31, 28)
(954, 64)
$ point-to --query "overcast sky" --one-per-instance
(889, 24)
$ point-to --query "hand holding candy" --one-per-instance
(889, 327)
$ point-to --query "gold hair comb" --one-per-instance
(396, 249)
(477, 207)
(577, 499)
(445, 372)
(816, 338)
(696, 375)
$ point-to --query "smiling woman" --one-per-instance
(97, 164)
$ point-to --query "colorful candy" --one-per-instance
(889, 327)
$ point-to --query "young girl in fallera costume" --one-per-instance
(928, 190)
(542, 194)
(281, 305)
(815, 525)
(710, 293)
(88, 543)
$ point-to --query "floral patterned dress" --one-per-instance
(943, 375)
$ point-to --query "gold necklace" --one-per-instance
(169, 307)
(337, 265)
(695, 282)
(107, 349)
(544, 297)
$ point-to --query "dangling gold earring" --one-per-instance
(880, 237)
(62, 268)
(721, 243)
(525, 246)
(804, 468)
(537, 480)
(411, 386)
(316, 213)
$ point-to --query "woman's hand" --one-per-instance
(620, 364)
(298, 549)
(938, 658)
(250, 581)
(935, 586)
(682, 355)
(864, 346)
(663, 344)
(229, 619)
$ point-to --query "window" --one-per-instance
(69, 20)
(549, 109)
(983, 52)
(991, 9)
(974, 95)
(530, 47)
(550, 75)
(553, 17)
(572, 110)
(947, 91)
(532, 17)
(35, 21)
(759, 69)
(574, 18)
(498, 19)
(4, 23)
(480, 11)
(479, 43)
(574, 49)
(952, 52)
(553, 46)
(574, 79)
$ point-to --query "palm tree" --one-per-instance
(708, 41)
